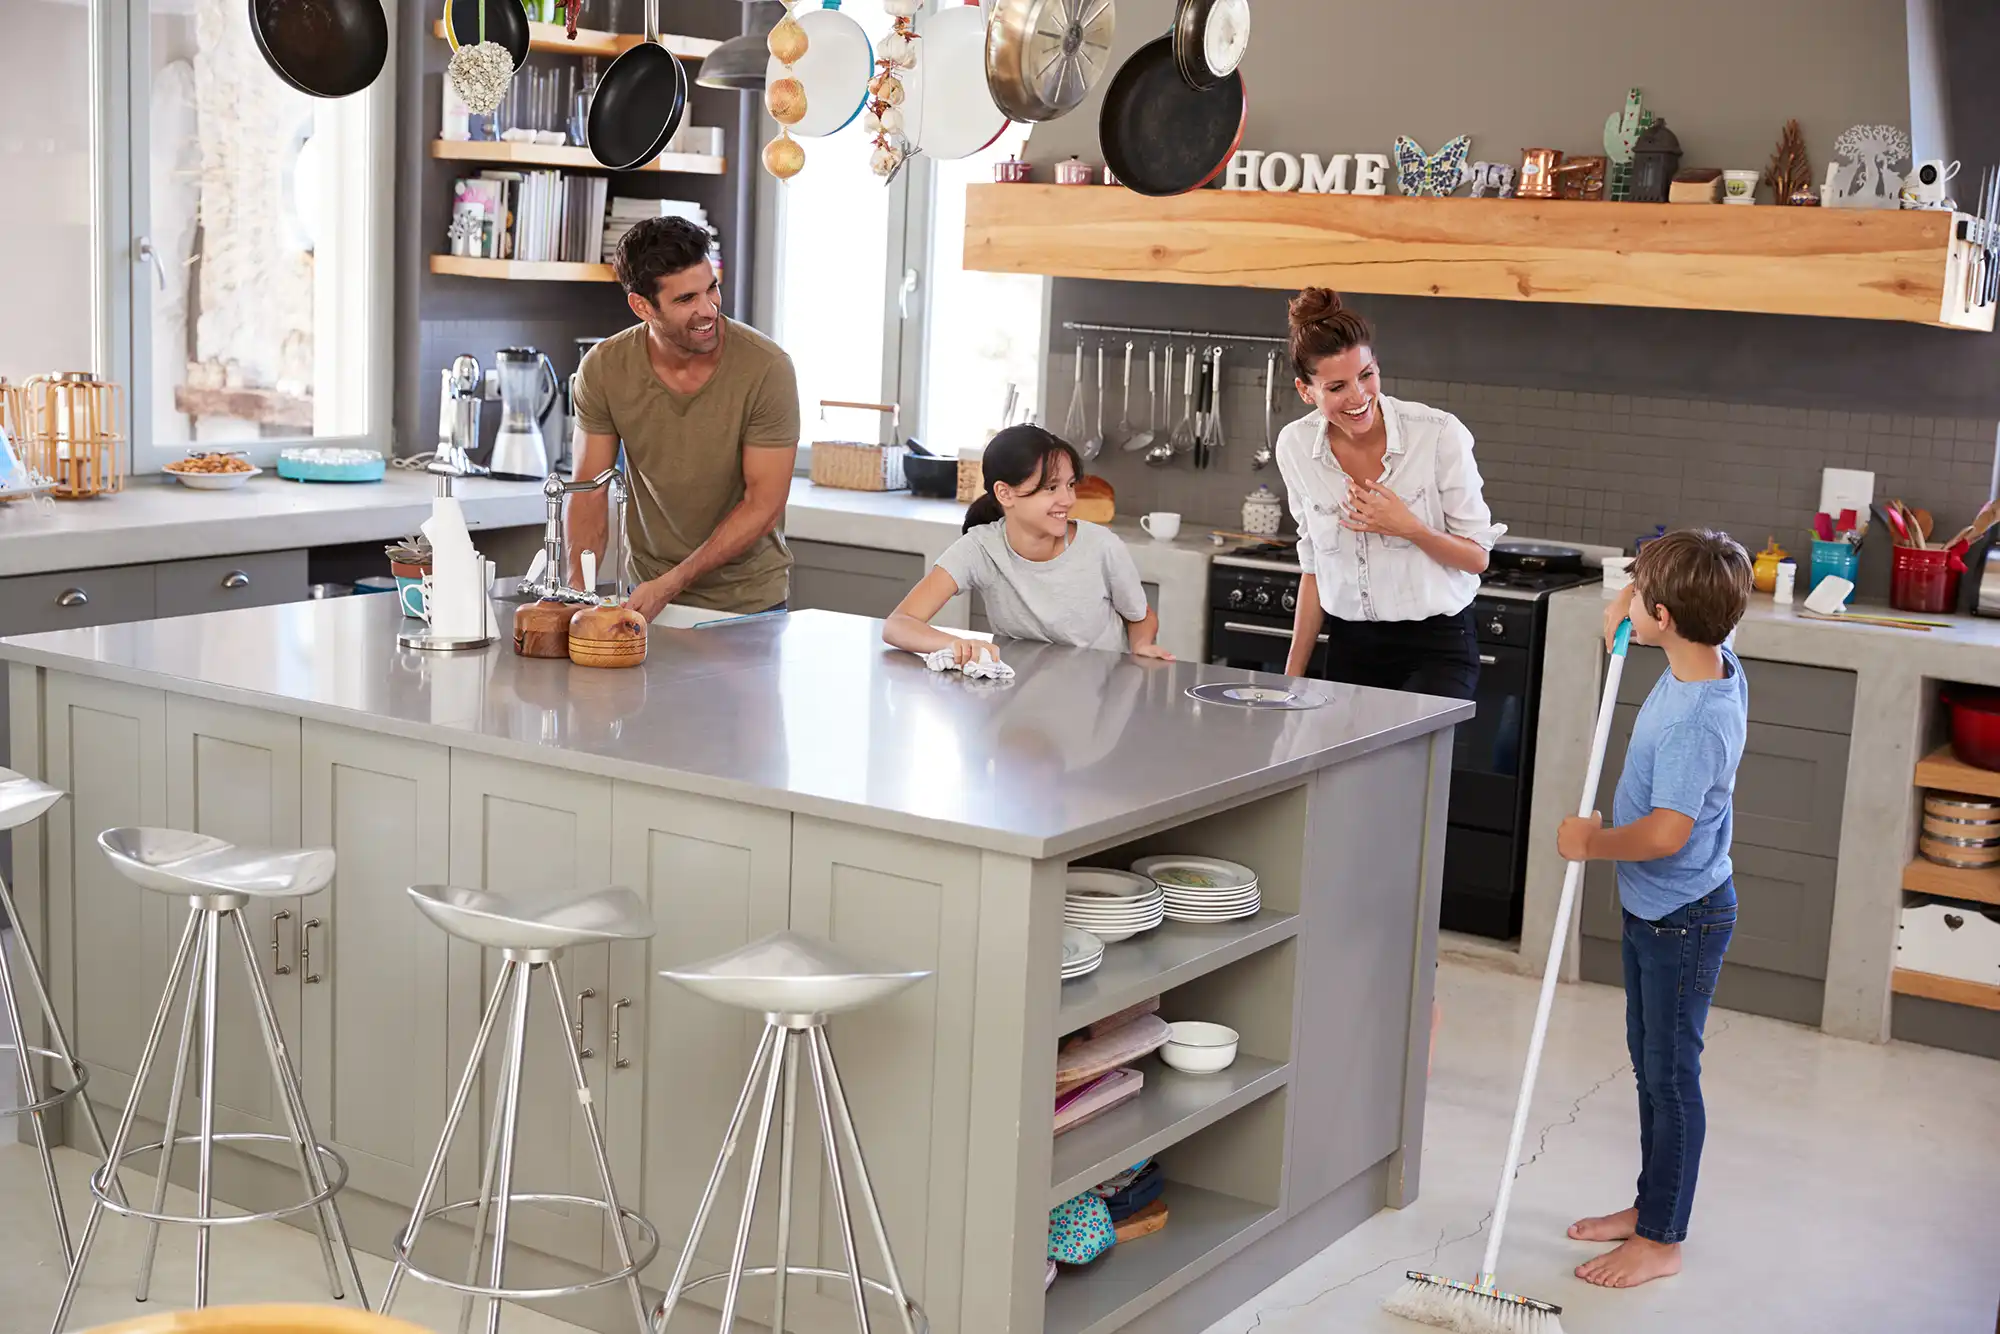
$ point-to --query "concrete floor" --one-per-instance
(1845, 1188)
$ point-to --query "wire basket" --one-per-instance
(74, 434)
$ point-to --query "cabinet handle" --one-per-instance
(1488, 660)
(281, 969)
(305, 949)
(588, 993)
(72, 597)
(235, 579)
(618, 1062)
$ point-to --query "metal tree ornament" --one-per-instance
(785, 99)
(884, 117)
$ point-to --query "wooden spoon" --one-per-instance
(1925, 523)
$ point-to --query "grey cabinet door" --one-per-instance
(31, 603)
(1790, 788)
(1785, 694)
(377, 1069)
(259, 579)
(855, 580)
(1784, 917)
(535, 832)
(234, 773)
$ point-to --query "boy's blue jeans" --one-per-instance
(1671, 967)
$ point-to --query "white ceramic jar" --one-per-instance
(1263, 512)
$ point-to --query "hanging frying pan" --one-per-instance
(323, 48)
(1210, 37)
(835, 70)
(948, 111)
(1044, 56)
(506, 25)
(639, 102)
(1161, 137)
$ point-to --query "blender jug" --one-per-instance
(528, 389)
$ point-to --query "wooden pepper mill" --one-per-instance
(605, 634)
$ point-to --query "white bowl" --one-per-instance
(1196, 1048)
(212, 481)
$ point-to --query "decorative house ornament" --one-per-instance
(1308, 174)
(1492, 178)
(1871, 163)
(1621, 136)
(1437, 174)
(1538, 173)
(1655, 159)
(1790, 171)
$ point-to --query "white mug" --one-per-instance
(1162, 526)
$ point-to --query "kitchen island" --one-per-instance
(789, 772)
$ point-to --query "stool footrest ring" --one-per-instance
(399, 1248)
(336, 1178)
(78, 1075)
(918, 1319)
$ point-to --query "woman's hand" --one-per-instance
(964, 651)
(1374, 508)
(1152, 651)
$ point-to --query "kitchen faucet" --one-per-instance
(553, 581)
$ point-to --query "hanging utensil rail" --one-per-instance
(1198, 335)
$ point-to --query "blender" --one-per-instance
(528, 389)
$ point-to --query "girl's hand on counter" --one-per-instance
(972, 650)
(1152, 651)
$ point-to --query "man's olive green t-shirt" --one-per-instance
(684, 456)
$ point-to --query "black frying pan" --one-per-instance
(639, 103)
(1160, 136)
(323, 48)
(506, 25)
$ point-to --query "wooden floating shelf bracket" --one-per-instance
(1895, 264)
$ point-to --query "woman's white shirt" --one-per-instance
(1367, 576)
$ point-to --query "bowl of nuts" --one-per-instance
(212, 471)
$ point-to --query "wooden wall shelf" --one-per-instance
(562, 155)
(1952, 990)
(1976, 885)
(1898, 265)
(515, 270)
(592, 42)
(1945, 772)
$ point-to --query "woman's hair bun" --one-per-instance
(1315, 305)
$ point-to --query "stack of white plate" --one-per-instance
(1202, 889)
(1112, 905)
(1082, 952)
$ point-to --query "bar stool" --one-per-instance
(218, 880)
(529, 936)
(22, 800)
(797, 983)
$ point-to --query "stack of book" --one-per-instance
(529, 215)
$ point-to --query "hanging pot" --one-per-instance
(638, 103)
(323, 48)
(1161, 137)
(1044, 56)
(948, 111)
(1210, 39)
(834, 71)
(506, 25)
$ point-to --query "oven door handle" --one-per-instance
(1488, 660)
(1268, 632)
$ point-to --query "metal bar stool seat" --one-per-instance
(531, 935)
(23, 800)
(219, 880)
(797, 983)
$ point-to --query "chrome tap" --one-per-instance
(553, 583)
(460, 397)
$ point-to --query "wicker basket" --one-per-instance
(971, 479)
(856, 467)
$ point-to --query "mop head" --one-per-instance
(1447, 1303)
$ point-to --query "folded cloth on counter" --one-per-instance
(1096, 1098)
(979, 669)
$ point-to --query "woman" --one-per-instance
(1393, 530)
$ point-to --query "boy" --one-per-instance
(1670, 837)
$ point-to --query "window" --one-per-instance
(218, 243)
(867, 291)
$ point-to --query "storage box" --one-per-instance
(850, 466)
(1948, 940)
(971, 479)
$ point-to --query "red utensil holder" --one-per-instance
(1924, 579)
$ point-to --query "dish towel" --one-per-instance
(979, 669)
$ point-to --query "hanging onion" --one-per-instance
(787, 41)
(786, 101)
(784, 157)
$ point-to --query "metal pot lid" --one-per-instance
(1044, 56)
(1241, 695)
(1211, 38)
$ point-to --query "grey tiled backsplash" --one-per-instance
(1605, 468)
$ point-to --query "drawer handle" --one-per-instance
(1487, 660)
(583, 1053)
(305, 948)
(236, 579)
(72, 597)
(281, 969)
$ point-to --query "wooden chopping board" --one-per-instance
(1147, 1221)
(1092, 1057)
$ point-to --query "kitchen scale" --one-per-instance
(1239, 695)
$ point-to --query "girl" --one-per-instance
(1041, 574)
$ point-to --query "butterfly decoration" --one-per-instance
(1438, 174)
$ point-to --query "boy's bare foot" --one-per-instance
(1607, 1227)
(1634, 1262)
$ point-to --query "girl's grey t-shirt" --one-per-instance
(1082, 598)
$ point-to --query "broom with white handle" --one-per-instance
(1481, 1306)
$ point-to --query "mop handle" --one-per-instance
(1572, 880)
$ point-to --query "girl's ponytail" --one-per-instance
(984, 510)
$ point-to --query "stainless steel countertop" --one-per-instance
(809, 713)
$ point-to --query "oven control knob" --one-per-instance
(1290, 600)
(1263, 598)
(1496, 627)
(1235, 597)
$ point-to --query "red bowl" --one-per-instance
(1975, 725)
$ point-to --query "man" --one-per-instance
(708, 410)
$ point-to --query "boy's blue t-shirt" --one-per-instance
(1683, 755)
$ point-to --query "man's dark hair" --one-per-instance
(658, 248)
(1702, 577)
